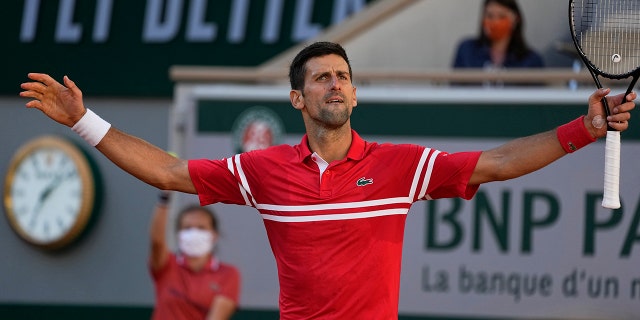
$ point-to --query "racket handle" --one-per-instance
(611, 198)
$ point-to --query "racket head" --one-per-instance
(606, 35)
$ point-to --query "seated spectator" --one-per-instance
(501, 42)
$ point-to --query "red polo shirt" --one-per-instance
(183, 294)
(337, 240)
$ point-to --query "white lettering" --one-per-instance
(103, 20)
(66, 30)
(272, 21)
(344, 8)
(29, 20)
(197, 29)
(163, 20)
(156, 30)
(302, 27)
(238, 21)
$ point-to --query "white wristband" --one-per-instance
(91, 128)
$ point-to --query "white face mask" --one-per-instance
(195, 242)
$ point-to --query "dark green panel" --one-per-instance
(418, 119)
(67, 312)
(219, 116)
(124, 64)
(461, 120)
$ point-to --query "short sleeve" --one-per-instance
(451, 175)
(215, 182)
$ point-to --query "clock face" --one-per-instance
(49, 192)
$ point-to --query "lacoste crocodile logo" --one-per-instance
(364, 181)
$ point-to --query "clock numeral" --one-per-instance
(23, 175)
(61, 224)
(45, 228)
(22, 210)
(72, 210)
(72, 174)
(36, 166)
(76, 193)
(33, 223)
(18, 192)
(64, 161)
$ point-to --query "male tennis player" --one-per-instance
(333, 210)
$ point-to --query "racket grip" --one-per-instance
(611, 198)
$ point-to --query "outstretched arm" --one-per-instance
(63, 103)
(525, 155)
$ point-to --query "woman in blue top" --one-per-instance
(501, 42)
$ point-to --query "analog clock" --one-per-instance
(51, 192)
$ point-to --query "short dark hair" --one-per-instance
(298, 67)
(197, 208)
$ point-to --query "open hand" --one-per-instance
(62, 103)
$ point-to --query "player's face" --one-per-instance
(328, 96)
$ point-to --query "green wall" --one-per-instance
(68, 312)
(103, 45)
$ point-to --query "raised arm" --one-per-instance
(159, 253)
(64, 104)
(525, 155)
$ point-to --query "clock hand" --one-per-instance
(46, 193)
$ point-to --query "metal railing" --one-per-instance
(257, 75)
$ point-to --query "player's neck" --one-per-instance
(331, 145)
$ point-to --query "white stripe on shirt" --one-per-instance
(427, 175)
(331, 206)
(333, 217)
(416, 174)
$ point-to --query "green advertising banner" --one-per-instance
(125, 48)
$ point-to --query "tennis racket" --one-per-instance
(606, 34)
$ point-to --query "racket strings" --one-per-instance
(608, 33)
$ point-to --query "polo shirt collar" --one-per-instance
(356, 150)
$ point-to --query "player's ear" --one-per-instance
(355, 97)
(297, 100)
